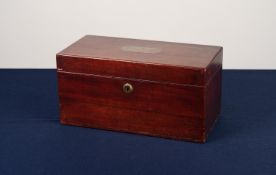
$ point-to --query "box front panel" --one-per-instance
(131, 121)
(168, 110)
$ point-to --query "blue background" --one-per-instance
(32, 141)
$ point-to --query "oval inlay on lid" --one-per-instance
(141, 49)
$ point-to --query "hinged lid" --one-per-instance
(141, 59)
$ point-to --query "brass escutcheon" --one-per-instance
(127, 88)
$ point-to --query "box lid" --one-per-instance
(140, 59)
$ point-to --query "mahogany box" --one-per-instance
(164, 89)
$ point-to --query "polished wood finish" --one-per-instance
(176, 87)
(142, 51)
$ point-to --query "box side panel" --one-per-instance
(213, 67)
(213, 94)
(171, 111)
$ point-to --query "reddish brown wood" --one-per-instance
(176, 86)
(153, 72)
(145, 51)
(213, 93)
(132, 121)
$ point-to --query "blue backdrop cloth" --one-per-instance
(33, 142)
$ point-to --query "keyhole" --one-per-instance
(127, 88)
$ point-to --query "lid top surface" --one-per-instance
(142, 51)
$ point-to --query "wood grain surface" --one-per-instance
(176, 87)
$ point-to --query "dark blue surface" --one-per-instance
(32, 141)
